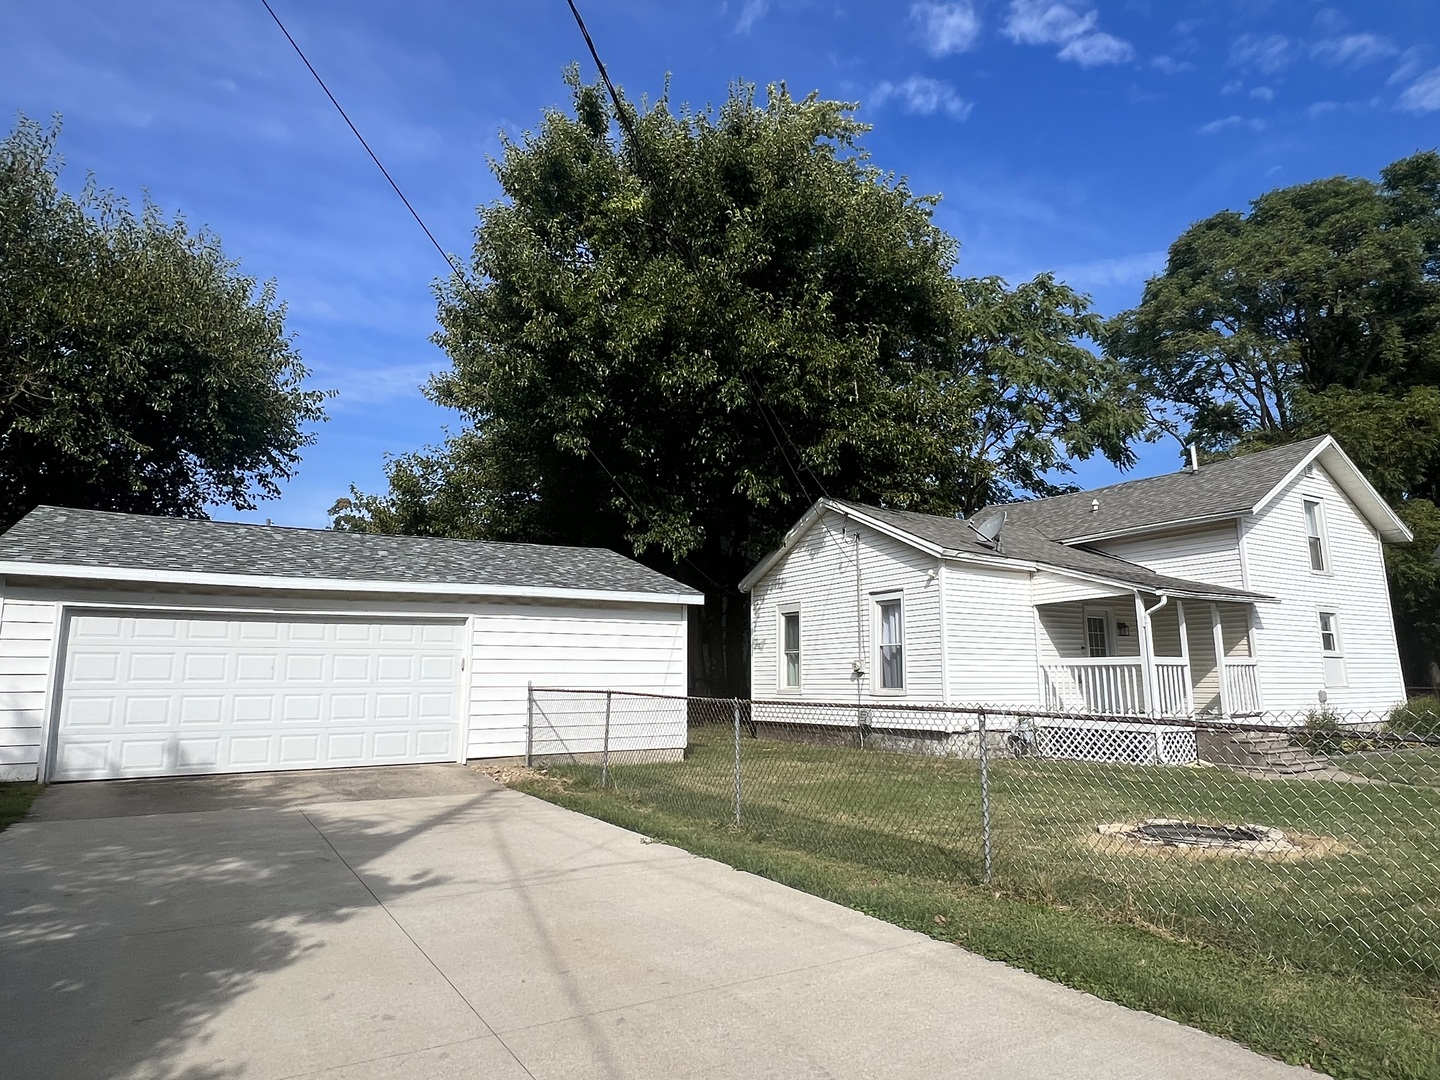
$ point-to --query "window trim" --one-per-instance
(878, 662)
(1323, 537)
(1089, 612)
(783, 670)
(1337, 653)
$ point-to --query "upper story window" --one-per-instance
(790, 639)
(1315, 536)
(890, 641)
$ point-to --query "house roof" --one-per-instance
(55, 542)
(1219, 491)
(1021, 547)
(1023, 543)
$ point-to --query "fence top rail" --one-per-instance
(1366, 724)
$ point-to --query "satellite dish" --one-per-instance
(989, 529)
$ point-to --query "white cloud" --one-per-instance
(1356, 50)
(1262, 93)
(1041, 22)
(920, 96)
(1268, 55)
(1320, 108)
(1227, 122)
(1092, 50)
(1047, 22)
(1234, 86)
(1423, 95)
(750, 14)
(1170, 66)
(947, 28)
(1119, 270)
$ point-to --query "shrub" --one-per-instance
(1417, 718)
(1322, 732)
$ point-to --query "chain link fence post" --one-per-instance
(736, 707)
(605, 748)
(985, 796)
(529, 724)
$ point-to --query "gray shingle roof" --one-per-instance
(1020, 541)
(1220, 489)
(90, 538)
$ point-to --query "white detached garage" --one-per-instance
(138, 646)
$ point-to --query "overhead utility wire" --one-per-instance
(450, 262)
(344, 116)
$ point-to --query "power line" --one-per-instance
(450, 262)
(383, 172)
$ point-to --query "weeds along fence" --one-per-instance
(1311, 839)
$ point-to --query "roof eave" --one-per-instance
(1370, 502)
(1153, 527)
(266, 582)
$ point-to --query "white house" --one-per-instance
(138, 646)
(1247, 586)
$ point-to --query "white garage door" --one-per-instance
(153, 695)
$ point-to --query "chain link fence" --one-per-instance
(1311, 838)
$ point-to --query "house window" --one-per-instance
(890, 617)
(1315, 536)
(1331, 650)
(790, 638)
(1097, 632)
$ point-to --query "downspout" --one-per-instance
(944, 635)
(1147, 648)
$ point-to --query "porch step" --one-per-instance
(1259, 753)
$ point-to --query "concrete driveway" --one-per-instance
(422, 922)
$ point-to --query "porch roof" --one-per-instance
(1023, 543)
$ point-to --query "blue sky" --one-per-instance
(1075, 137)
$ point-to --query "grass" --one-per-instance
(15, 800)
(1412, 766)
(1329, 962)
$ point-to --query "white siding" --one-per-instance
(27, 632)
(991, 627)
(1287, 637)
(818, 578)
(1063, 628)
(637, 647)
(1210, 553)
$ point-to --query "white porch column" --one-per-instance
(1185, 655)
(1147, 655)
(1218, 632)
(944, 636)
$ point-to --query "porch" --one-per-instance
(1146, 656)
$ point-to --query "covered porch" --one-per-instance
(1147, 655)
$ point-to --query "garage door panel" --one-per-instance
(151, 696)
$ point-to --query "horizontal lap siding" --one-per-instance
(1210, 554)
(817, 578)
(991, 628)
(1287, 635)
(636, 649)
(27, 632)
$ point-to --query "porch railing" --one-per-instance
(1107, 686)
(1101, 686)
(1242, 687)
(1172, 683)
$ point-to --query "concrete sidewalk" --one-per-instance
(482, 933)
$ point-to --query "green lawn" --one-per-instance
(1405, 766)
(1332, 961)
(15, 800)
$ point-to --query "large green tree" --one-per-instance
(672, 338)
(1317, 311)
(139, 370)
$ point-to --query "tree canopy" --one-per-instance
(139, 369)
(673, 343)
(1316, 312)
